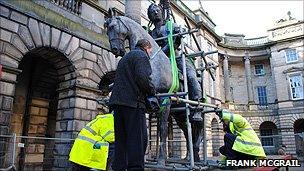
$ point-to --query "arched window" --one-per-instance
(268, 129)
(299, 136)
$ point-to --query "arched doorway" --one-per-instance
(269, 141)
(45, 74)
(299, 137)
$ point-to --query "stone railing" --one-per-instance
(245, 107)
(71, 5)
(256, 41)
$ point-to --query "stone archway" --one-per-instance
(76, 91)
(299, 137)
(45, 73)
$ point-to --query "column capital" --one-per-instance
(247, 57)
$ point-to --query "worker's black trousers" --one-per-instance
(231, 154)
(130, 138)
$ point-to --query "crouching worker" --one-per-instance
(91, 147)
(240, 140)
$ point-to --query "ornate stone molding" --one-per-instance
(293, 69)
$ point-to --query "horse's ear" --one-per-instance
(111, 13)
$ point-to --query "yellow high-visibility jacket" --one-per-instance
(100, 129)
(247, 140)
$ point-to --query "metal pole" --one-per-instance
(198, 104)
(204, 117)
(14, 149)
(171, 94)
(178, 34)
(205, 140)
(187, 107)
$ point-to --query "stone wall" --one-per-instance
(78, 65)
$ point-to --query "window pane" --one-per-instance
(296, 86)
(262, 95)
(267, 141)
(291, 55)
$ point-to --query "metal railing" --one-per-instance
(46, 153)
(32, 153)
(71, 5)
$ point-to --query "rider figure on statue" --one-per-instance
(155, 14)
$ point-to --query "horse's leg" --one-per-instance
(197, 127)
(162, 155)
(180, 121)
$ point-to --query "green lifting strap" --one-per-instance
(174, 70)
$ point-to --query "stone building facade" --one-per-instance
(55, 53)
(263, 81)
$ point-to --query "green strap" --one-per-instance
(175, 81)
(174, 69)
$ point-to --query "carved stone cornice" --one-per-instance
(293, 69)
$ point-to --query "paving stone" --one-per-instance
(19, 17)
(34, 29)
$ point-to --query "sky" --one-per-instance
(251, 18)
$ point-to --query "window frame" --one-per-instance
(262, 70)
(286, 57)
(290, 88)
(267, 138)
(260, 97)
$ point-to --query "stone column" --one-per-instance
(248, 77)
(226, 79)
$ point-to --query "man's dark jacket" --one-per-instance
(132, 82)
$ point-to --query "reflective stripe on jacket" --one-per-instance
(247, 140)
(101, 130)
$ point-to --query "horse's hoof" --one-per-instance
(161, 162)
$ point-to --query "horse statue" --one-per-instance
(120, 29)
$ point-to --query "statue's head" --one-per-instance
(117, 32)
(155, 13)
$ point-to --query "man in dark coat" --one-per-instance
(132, 85)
